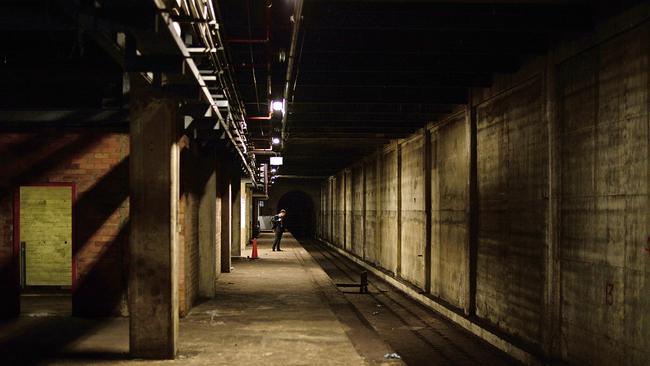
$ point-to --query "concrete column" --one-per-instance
(154, 190)
(223, 177)
(235, 186)
(208, 270)
(246, 213)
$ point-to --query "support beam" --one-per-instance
(208, 270)
(154, 191)
(235, 187)
(223, 176)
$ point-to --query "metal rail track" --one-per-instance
(420, 336)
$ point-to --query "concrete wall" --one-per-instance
(368, 206)
(412, 215)
(449, 150)
(512, 155)
(388, 242)
(604, 214)
(525, 214)
(339, 210)
(357, 226)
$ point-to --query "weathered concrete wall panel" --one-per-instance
(603, 102)
(387, 208)
(357, 229)
(413, 216)
(512, 150)
(450, 211)
(347, 212)
(372, 248)
(339, 210)
(324, 204)
(550, 250)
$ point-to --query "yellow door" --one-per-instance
(46, 231)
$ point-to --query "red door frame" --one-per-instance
(16, 256)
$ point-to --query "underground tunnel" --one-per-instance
(465, 182)
(301, 218)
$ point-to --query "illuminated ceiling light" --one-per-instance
(275, 140)
(273, 170)
(278, 106)
(276, 160)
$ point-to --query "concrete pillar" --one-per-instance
(246, 213)
(208, 270)
(154, 190)
(223, 177)
(235, 186)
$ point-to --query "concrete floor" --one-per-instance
(282, 309)
(279, 310)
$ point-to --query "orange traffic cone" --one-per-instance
(254, 254)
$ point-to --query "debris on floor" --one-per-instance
(392, 356)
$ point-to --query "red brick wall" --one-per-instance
(188, 210)
(97, 162)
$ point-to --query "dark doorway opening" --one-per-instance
(301, 218)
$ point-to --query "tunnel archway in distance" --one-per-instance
(301, 218)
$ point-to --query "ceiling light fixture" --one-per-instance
(278, 106)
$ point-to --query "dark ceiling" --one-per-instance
(365, 72)
(371, 71)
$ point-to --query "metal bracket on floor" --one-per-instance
(362, 285)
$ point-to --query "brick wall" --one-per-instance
(188, 211)
(97, 162)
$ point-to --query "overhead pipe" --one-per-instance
(204, 30)
(292, 56)
(265, 152)
(262, 40)
(301, 176)
(269, 54)
(253, 66)
(266, 118)
(250, 50)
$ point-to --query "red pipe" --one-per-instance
(262, 118)
(269, 5)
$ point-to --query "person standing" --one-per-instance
(278, 227)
